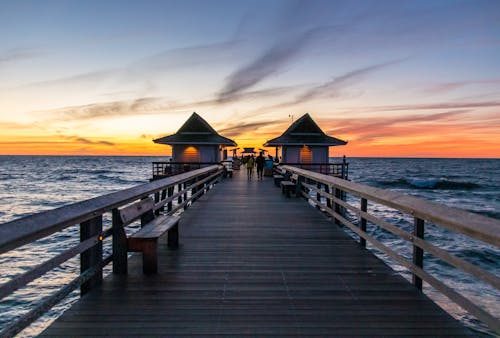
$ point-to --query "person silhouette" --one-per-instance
(249, 164)
(260, 161)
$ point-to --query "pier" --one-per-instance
(250, 261)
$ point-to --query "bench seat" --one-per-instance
(288, 186)
(277, 179)
(146, 240)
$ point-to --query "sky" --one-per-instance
(393, 78)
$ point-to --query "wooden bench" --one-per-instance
(278, 177)
(152, 228)
(288, 186)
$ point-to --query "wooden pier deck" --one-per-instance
(252, 262)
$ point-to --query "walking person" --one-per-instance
(260, 161)
(249, 164)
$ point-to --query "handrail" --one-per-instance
(337, 169)
(474, 225)
(163, 169)
(28, 229)
(89, 215)
(478, 227)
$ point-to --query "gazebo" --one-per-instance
(305, 144)
(194, 145)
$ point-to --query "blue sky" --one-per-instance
(127, 71)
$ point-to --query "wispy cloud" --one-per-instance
(87, 141)
(436, 106)
(235, 130)
(334, 87)
(84, 140)
(145, 105)
(268, 63)
(187, 56)
(17, 54)
(452, 122)
(444, 87)
(86, 78)
(301, 26)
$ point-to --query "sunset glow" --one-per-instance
(395, 79)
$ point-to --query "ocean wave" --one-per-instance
(95, 171)
(429, 183)
(116, 179)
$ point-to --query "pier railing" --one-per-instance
(167, 169)
(95, 220)
(340, 169)
(331, 195)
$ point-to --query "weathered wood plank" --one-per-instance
(134, 211)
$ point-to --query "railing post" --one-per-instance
(119, 245)
(418, 253)
(318, 195)
(362, 221)
(92, 256)
(170, 193)
(157, 199)
(336, 207)
(344, 164)
(184, 186)
(163, 197)
(328, 200)
(299, 188)
(179, 189)
(194, 189)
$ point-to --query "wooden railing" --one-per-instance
(184, 189)
(167, 169)
(340, 169)
(329, 194)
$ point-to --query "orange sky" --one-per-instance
(453, 134)
(394, 79)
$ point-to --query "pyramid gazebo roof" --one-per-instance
(195, 131)
(304, 131)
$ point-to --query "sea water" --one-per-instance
(30, 184)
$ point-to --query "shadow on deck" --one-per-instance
(252, 262)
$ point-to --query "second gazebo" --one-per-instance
(304, 144)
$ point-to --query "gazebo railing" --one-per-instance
(340, 169)
(167, 169)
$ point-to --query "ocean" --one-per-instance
(30, 184)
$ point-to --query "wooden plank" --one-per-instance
(134, 211)
(156, 227)
(252, 262)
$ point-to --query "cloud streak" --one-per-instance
(333, 87)
(445, 87)
(145, 105)
(84, 140)
(435, 106)
(17, 54)
(267, 64)
(235, 130)
(87, 141)
(454, 122)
